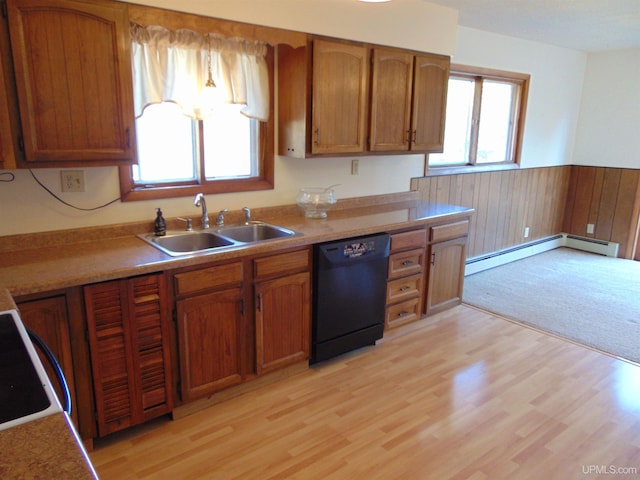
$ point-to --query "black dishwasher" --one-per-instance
(350, 285)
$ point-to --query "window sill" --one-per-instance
(437, 171)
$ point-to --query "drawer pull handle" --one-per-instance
(405, 288)
(403, 313)
(407, 262)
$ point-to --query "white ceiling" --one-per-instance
(587, 25)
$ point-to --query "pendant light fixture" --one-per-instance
(207, 98)
(210, 83)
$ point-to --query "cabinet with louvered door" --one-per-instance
(130, 350)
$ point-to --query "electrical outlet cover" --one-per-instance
(72, 180)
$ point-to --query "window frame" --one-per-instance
(129, 191)
(478, 74)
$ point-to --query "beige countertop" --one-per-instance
(44, 448)
(44, 262)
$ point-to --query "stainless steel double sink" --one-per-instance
(176, 243)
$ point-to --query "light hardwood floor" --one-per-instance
(464, 395)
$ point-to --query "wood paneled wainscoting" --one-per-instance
(506, 202)
(609, 199)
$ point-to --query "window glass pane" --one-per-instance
(494, 137)
(165, 145)
(229, 144)
(457, 125)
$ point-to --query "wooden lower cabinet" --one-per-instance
(48, 318)
(221, 343)
(283, 321)
(210, 342)
(130, 350)
(282, 309)
(405, 285)
(211, 327)
(445, 266)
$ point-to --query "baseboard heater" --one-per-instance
(524, 250)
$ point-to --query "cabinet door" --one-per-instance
(445, 275)
(283, 321)
(150, 333)
(210, 342)
(431, 78)
(391, 86)
(7, 134)
(111, 355)
(48, 319)
(339, 98)
(129, 343)
(73, 73)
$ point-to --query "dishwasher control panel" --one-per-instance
(358, 249)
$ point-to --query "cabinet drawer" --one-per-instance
(282, 263)
(404, 240)
(406, 263)
(404, 288)
(208, 278)
(449, 231)
(402, 313)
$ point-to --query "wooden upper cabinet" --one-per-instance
(7, 155)
(339, 97)
(391, 87)
(431, 78)
(324, 106)
(8, 108)
(408, 101)
(73, 73)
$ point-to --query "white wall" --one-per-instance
(609, 126)
(413, 24)
(554, 92)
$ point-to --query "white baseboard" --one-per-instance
(501, 257)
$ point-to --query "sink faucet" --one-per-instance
(220, 218)
(199, 201)
(247, 215)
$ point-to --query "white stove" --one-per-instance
(26, 393)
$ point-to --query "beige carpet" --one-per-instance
(588, 298)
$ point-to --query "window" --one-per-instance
(175, 149)
(484, 120)
(184, 148)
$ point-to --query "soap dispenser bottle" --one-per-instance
(160, 225)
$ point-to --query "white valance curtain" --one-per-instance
(172, 66)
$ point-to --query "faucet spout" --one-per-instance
(199, 201)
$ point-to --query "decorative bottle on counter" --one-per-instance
(160, 226)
